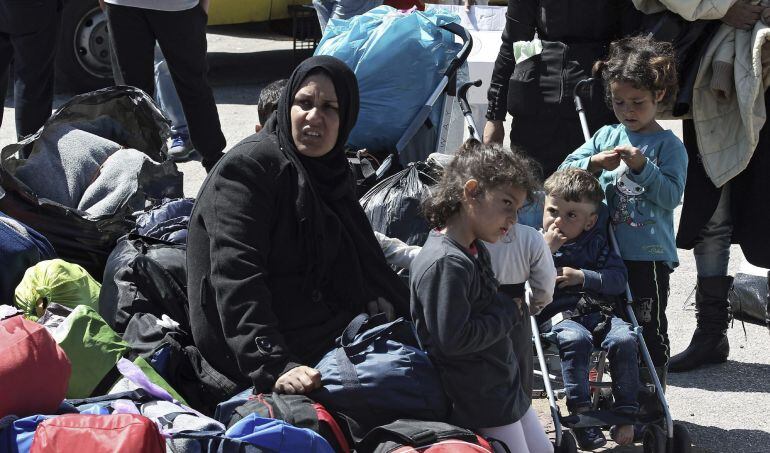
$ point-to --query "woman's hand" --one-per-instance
(608, 160)
(632, 156)
(494, 132)
(298, 381)
(381, 305)
(742, 15)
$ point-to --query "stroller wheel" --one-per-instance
(568, 444)
(682, 440)
(654, 439)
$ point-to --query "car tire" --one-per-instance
(83, 57)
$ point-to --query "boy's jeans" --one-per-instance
(341, 9)
(573, 336)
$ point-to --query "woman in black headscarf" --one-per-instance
(281, 256)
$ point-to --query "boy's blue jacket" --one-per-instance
(605, 273)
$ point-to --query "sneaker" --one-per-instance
(589, 438)
(181, 148)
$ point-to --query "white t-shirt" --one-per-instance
(158, 5)
(523, 256)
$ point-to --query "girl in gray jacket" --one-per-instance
(461, 319)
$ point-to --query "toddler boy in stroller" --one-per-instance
(591, 276)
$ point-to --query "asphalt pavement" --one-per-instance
(725, 407)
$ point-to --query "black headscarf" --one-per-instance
(345, 260)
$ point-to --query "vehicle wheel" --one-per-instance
(682, 439)
(654, 439)
(83, 57)
(568, 443)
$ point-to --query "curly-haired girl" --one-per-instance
(461, 320)
(642, 168)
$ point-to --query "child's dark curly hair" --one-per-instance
(491, 165)
(643, 62)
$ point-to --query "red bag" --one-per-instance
(98, 434)
(34, 370)
(417, 436)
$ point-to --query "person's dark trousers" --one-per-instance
(649, 283)
(33, 56)
(181, 36)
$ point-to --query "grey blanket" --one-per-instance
(117, 184)
(64, 162)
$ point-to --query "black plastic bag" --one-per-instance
(749, 299)
(393, 205)
(137, 123)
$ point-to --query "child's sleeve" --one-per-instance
(581, 157)
(542, 277)
(611, 279)
(397, 253)
(664, 182)
(454, 329)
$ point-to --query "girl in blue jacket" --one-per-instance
(642, 168)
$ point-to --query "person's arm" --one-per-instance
(542, 274)
(239, 228)
(664, 182)
(455, 331)
(397, 252)
(519, 26)
(611, 278)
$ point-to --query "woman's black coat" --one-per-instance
(250, 316)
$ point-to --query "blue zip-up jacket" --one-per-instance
(605, 273)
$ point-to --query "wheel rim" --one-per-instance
(91, 44)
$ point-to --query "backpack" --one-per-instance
(407, 436)
(34, 370)
(20, 248)
(97, 434)
(297, 410)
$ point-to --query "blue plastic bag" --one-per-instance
(398, 60)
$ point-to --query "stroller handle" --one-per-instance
(579, 105)
(457, 61)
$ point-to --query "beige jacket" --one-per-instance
(728, 105)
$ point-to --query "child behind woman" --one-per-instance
(460, 319)
(642, 169)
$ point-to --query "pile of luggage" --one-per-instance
(95, 344)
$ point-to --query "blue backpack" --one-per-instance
(255, 434)
(378, 374)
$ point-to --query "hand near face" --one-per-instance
(554, 238)
(632, 156)
(298, 381)
(381, 305)
(567, 276)
(608, 160)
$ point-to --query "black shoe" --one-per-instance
(589, 438)
(709, 342)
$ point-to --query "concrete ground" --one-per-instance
(725, 407)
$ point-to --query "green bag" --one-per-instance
(93, 349)
(55, 281)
